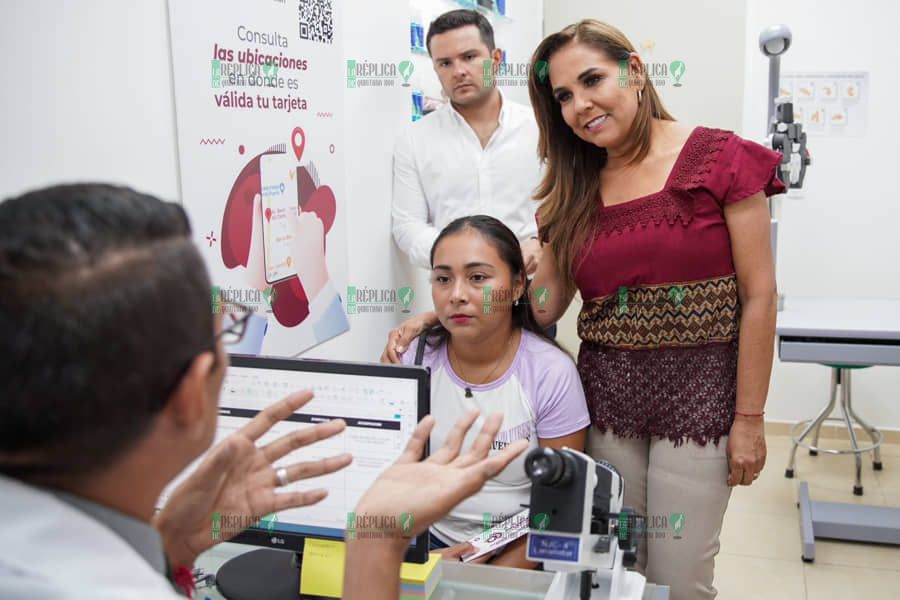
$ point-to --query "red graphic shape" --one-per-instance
(268, 214)
(241, 149)
(323, 204)
(237, 220)
(305, 187)
(291, 305)
(298, 141)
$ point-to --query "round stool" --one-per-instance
(840, 376)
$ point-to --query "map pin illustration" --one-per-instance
(268, 214)
(298, 140)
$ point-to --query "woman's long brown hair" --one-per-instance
(570, 187)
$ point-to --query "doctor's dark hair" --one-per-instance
(104, 301)
(461, 18)
(507, 245)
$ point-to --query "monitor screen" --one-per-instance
(381, 405)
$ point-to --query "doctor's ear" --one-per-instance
(188, 404)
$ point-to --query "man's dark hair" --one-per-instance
(461, 18)
(104, 301)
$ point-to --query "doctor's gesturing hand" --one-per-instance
(425, 490)
(237, 479)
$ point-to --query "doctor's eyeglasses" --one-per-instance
(234, 322)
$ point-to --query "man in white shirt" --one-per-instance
(475, 155)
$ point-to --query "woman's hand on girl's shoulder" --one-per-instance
(401, 337)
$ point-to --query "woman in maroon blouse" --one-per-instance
(664, 230)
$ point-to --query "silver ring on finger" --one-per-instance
(282, 476)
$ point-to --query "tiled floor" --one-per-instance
(760, 555)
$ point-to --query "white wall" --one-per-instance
(91, 99)
(87, 95)
(839, 237)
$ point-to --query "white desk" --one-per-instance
(848, 331)
(460, 581)
(845, 331)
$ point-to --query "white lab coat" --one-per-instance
(49, 549)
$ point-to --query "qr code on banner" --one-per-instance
(316, 22)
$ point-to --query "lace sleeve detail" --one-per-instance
(674, 203)
(701, 158)
(667, 206)
(730, 167)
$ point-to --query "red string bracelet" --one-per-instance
(743, 414)
(184, 579)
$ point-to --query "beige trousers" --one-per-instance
(683, 492)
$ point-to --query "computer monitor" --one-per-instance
(381, 404)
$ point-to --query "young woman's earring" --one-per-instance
(516, 302)
(639, 97)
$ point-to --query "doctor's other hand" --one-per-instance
(238, 480)
(428, 490)
(402, 336)
(421, 493)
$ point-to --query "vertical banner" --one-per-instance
(258, 97)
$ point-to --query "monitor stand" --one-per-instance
(263, 574)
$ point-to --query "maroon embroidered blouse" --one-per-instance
(661, 312)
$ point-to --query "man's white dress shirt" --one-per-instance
(441, 173)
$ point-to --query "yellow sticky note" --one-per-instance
(322, 573)
(419, 573)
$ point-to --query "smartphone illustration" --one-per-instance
(278, 185)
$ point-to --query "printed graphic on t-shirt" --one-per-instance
(522, 431)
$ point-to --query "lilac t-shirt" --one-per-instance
(540, 396)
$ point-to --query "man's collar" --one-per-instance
(141, 536)
(501, 119)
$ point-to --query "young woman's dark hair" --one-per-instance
(505, 242)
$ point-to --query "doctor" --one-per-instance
(112, 367)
